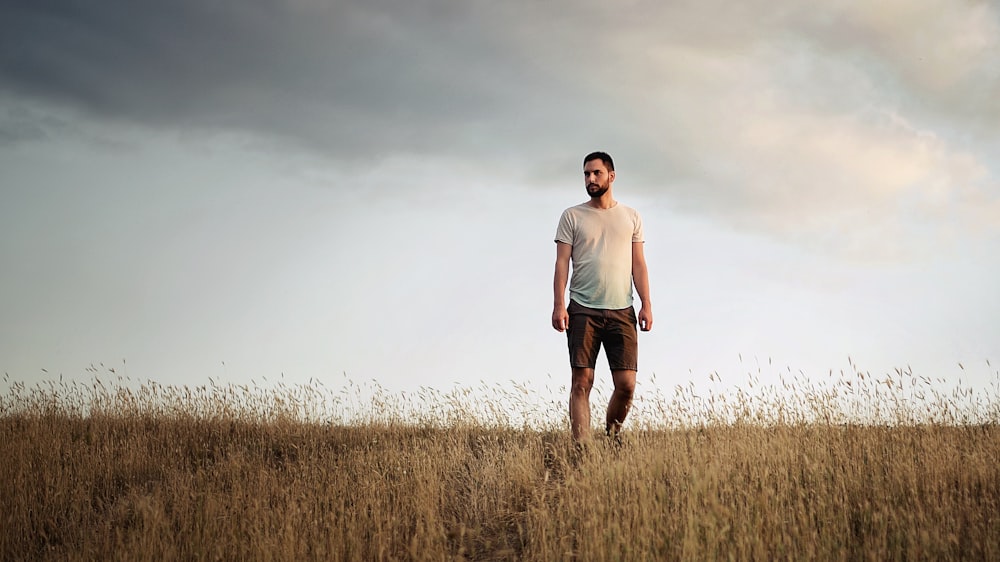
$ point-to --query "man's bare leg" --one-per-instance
(579, 403)
(621, 400)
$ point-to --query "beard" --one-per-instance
(596, 190)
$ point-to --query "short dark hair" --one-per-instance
(603, 157)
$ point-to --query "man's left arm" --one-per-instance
(640, 278)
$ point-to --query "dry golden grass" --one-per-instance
(120, 472)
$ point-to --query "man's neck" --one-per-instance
(603, 202)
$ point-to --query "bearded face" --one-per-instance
(596, 190)
(597, 178)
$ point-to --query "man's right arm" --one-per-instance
(560, 318)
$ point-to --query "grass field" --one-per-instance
(861, 471)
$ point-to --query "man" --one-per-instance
(603, 241)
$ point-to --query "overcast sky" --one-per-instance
(242, 189)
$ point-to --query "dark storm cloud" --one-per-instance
(465, 78)
(345, 77)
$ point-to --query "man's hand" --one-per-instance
(560, 318)
(645, 318)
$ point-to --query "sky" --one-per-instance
(369, 190)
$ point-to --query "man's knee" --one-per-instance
(625, 391)
(625, 385)
(583, 381)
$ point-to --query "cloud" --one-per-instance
(352, 79)
(834, 128)
(874, 188)
(941, 53)
(380, 77)
(800, 122)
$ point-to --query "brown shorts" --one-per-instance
(591, 327)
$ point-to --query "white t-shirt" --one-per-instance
(602, 253)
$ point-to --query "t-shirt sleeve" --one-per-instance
(564, 232)
(637, 234)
